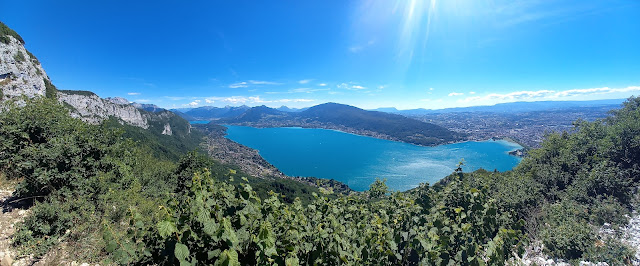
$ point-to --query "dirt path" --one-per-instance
(9, 218)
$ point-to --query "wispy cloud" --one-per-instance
(356, 48)
(322, 84)
(194, 103)
(262, 82)
(350, 86)
(456, 94)
(253, 100)
(133, 93)
(245, 84)
(550, 95)
(238, 85)
(305, 81)
(297, 90)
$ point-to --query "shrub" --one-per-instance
(19, 57)
(51, 91)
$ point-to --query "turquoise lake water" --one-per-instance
(358, 161)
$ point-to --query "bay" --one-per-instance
(358, 160)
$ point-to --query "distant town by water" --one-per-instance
(358, 160)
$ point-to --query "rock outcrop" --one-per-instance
(167, 130)
(93, 109)
(20, 72)
(22, 75)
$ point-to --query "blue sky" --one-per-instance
(401, 53)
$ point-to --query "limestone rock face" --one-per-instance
(167, 129)
(22, 75)
(20, 72)
(117, 100)
(93, 109)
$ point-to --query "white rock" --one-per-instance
(6, 260)
(24, 77)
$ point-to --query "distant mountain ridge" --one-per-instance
(509, 107)
(350, 119)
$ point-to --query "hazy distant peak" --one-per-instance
(117, 100)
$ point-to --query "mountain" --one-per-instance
(386, 109)
(212, 113)
(350, 119)
(22, 75)
(287, 109)
(260, 113)
(512, 107)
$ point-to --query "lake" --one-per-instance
(358, 160)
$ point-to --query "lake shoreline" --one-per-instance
(521, 147)
(494, 150)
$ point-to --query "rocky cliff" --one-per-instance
(93, 109)
(22, 75)
(20, 72)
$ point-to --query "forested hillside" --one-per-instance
(350, 119)
(119, 202)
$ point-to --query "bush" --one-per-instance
(5, 31)
(565, 231)
(51, 91)
(41, 143)
(19, 57)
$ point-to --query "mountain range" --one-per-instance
(349, 119)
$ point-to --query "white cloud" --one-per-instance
(133, 93)
(575, 94)
(238, 85)
(472, 92)
(350, 86)
(249, 100)
(305, 81)
(306, 90)
(513, 96)
(456, 94)
(194, 103)
(245, 84)
(359, 47)
(262, 82)
(430, 89)
(322, 84)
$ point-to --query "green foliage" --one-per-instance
(611, 251)
(51, 91)
(134, 204)
(19, 57)
(34, 59)
(50, 150)
(6, 31)
(78, 92)
(162, 146)
(216, 222)
(566, 233)
(378, 188)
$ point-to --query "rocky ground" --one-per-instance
(629, 235)
(13, 212)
